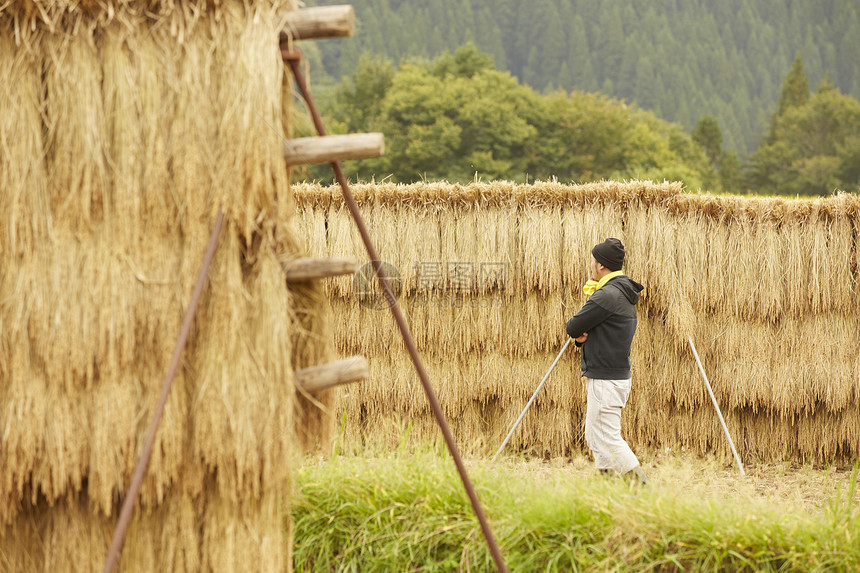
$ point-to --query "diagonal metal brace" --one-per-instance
(293, 58)
(143, 462)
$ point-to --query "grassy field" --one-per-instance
(408, 512)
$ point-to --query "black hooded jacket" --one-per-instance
(609, 318)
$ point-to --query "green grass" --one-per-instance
(408, 512)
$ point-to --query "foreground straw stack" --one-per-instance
(768, 289)
(125, 127)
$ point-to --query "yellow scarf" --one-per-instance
(592, 286)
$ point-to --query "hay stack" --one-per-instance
(768, 289)
(126, 126)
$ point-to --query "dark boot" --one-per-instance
(637, 474)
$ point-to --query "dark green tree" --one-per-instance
(812, 147)
(457, 117)
(579, 58)
(467, 61)
(544, 43)
(848, 49)
(454, 118)
(848, 153)
(609, 40)
(795, 90)
(731, 179)
(358, 101)
(709, 137)
(708, 58)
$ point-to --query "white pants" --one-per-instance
(606, 398)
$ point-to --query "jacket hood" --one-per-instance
(628, 287)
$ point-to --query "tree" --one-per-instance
(707, 134)
(795, 90)
(358, 99)
(705, 55)
(849, 58)
(456, 116)
(549, 40)
(609, 40)
(564, 79)
(848, 171)
(448, 126)
(812, 149)
(730, 172)
(579, 58)
(647, 86)
(467, 61)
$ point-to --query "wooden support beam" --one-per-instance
(330, 148)
(319, 22)
(325, 376)
(307, 269)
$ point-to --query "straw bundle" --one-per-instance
(768, 289)
(481, 398)
(25, 184)
(68, 537)
(132, 124)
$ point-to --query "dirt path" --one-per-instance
(791, 484)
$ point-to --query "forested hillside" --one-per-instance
(457, 118)
(681, 59)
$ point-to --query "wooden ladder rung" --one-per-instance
(329, 148)
(316, 378)
(319, 22)
(309, 268)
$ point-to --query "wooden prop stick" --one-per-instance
(717, 408)
(529, 405)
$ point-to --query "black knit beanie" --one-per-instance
(609, 253)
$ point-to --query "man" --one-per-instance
(604, 329)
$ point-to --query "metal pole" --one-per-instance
(292, 58)
(127, 509)
(529, 405)
(717, 407)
